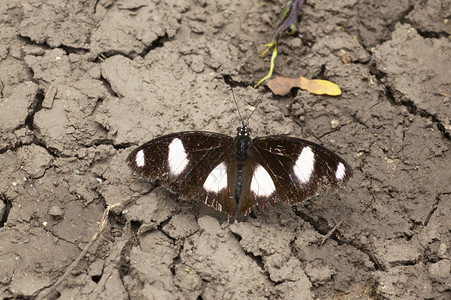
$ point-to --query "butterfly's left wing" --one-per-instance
(181, 161)
(298, 168)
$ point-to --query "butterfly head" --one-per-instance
(243, 131)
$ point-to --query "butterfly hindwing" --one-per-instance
(299, 168)
(181, 161)
(261, 190)
(219, 187)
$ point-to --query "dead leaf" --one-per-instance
(282, 85)
(49, 97)
(319, 87)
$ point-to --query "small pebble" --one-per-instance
(56, 212)
(334, 123)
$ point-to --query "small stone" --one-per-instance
(334, 123)
(56, 212)
(197, 64)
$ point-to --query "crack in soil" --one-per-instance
(433, 208)
(60, 238)
(158, 43)
(233, 83)
(415, 110)
(377, 265)
(45, 46)
(323, 229)
(106, 83)
(408, 104)
(432, 34)
(258, 259)
(7, 208)
(29, 124)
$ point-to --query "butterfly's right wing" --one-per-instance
(298, 168)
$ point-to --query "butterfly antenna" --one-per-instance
(255, 108)
(236, 104)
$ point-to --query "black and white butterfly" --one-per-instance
(234, 175)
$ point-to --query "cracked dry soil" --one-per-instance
(83, 82)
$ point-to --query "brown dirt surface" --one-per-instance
(84, 82)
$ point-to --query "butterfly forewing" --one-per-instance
(181, 161)
(299, 168)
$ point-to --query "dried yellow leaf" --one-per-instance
(319, 86)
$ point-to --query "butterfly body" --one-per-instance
(234, 175)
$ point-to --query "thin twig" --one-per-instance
(45, 293)
(330, 233)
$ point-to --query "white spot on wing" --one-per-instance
(303, 167)
(262, 184)
(217, 179)
(177, 157)
(340, 173)
(139, 159)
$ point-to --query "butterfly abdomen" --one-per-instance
(242, 143)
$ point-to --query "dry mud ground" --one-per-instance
(84, 82)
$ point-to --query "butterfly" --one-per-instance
(234, 175)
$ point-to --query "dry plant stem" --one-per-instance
(111, 264)
(327, 236)
(103, 223)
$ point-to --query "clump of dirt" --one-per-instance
(83, 83)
